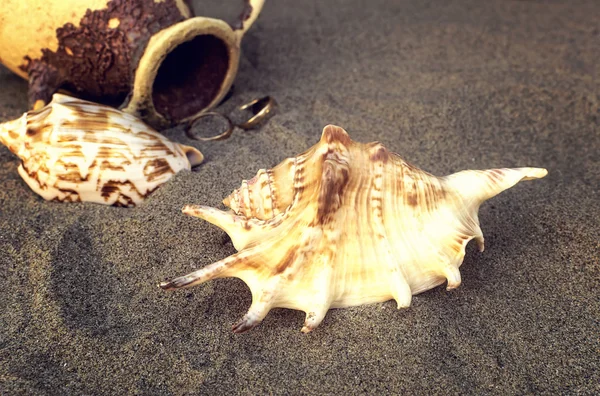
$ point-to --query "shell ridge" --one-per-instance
(334, 180)
(298, 172)
(402, 249)
(272, 193)
(397, 284)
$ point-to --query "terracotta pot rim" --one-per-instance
(140, 102)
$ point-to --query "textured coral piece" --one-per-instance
(74, 150)
(346, 224)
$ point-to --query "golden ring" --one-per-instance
(261, 108)
(224, 135)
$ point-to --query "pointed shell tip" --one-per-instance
(535, 173)
(334, 133)
(194, 156)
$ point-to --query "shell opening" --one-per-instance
(190, 77)
(193, 155)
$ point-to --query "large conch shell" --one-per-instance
(347, 224)
(74, 150)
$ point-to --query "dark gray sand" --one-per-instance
(450, 86)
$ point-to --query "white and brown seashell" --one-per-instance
(74, 150)
(346, 224)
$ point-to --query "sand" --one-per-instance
(449, 86)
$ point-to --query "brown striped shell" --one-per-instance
(74, 150)
(346, 224)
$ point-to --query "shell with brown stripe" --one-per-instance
(347, 224)
(74, 150)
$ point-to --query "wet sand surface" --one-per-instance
(449, 86)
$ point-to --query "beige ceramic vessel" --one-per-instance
(347, 224)
(151, 58)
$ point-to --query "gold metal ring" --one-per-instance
(224, 135)
(261, 108)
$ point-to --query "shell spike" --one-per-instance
(480, 241)
(62, 98)
(255, 315)
(263, 298)
(220, 269)
(12, 134)
(314, 319)
(317, 305)
(236, 227)
(400, 289)
(479, 186)
(333, 133)
(452, 274)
